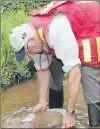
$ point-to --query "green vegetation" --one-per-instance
(9, 66)
(13, 14)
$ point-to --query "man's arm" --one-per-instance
(64, 43)
(73, 91)
(43, 83)
(42, 63)
(73, 86)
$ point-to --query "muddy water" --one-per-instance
(18, 102)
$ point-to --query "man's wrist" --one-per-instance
(70, 111)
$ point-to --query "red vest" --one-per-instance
(85, 22)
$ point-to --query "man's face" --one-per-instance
(34, 45)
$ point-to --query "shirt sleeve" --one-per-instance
(62, 40)
(42, 61)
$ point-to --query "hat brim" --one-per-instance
(20, 54)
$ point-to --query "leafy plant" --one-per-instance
(14, 13)
(9, 66)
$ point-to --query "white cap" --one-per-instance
(20, 35)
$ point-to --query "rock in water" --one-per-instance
(48, 119)
(52, 118)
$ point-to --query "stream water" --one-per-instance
(18, 102)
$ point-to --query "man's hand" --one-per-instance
(39, 108)
(68, 121)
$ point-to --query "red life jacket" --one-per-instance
(84, 20)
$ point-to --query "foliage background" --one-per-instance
(14, 13)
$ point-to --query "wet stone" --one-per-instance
(52, 119)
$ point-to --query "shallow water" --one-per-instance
(18, 102)
(24, 118)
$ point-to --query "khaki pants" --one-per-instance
(91, 83)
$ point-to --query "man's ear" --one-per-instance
(33, 38)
